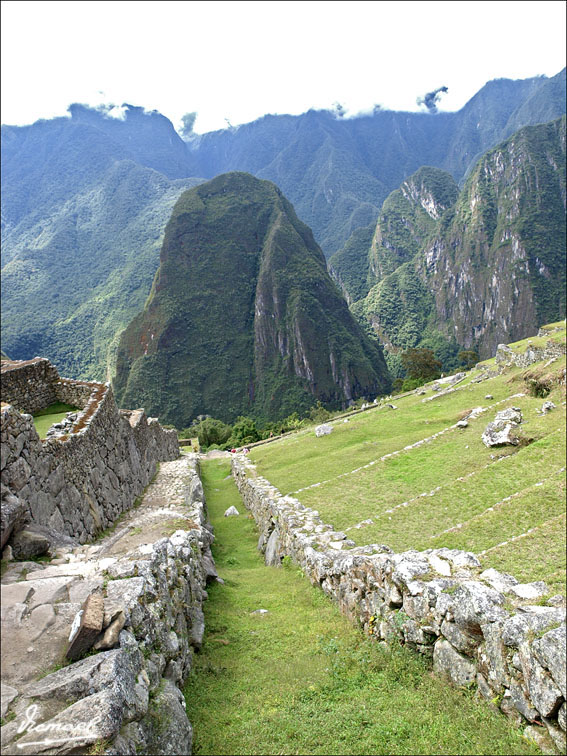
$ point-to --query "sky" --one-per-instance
(236, 61)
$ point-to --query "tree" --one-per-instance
(468, 358)
(421, 363)
(187, 124)
(211, 431)
(244, 431)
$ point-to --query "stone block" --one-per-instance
(449, 663)
(13, 516)
(89, 628)
(28, 544)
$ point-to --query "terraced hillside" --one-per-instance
(405, 472)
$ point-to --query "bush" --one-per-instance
(318, 414)
(210, 431)
(244, 431)
(412, 383)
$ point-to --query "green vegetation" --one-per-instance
(45, 418)
(508, 504)
(301, 679)
(85, 199)
(433, 269)
(279, 338)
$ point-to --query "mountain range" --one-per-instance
(450, 269)
(86, 200)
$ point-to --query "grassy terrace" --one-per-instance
(45, 418)
(507, 504)
(301, 679)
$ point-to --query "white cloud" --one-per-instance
(240, 60)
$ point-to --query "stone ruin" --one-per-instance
(480, 627)
(73, 485)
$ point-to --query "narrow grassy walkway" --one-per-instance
(301, 680)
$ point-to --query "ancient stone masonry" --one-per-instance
(506, 356)
(77, 483)
(145, 594)
(478, 626)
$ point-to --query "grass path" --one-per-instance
(301, 679)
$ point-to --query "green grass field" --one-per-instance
(507, 504)
(45, 418)
(301, 679)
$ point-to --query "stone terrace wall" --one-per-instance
(29, 385)
(474, 624)
(130, 699)
(78, 483)
(507, 356)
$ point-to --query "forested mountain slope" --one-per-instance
(243, 318)
(472, 269)
(85, 199)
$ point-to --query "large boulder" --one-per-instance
(502, 430)
(13, 516)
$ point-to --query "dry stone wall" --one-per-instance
(127, 698)
(506, 356)
(476, 625)
(29, 385)
(77, 483)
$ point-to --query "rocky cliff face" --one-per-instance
(498, 270)
(243, 317)
(477, 268)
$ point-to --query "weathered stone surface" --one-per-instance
(15, 593)
(72, 682)
(167, 714)
(449, 663)
(476, 604)
(463, 642)
(532, 618)
(562, 716)
(27, 544)
(231, 512)
(500, 581)
(550, 650)
(541, 738)
(13, 515)
(492, 656)
(556, 734)
(521, 701)
(323, 430)
(48, 590)
(7, 695)
(111, 634)
(544, 694)
(530, 590)
(500, 436)
(89, 629)
(90, 719)
(271, 557)
(41, 618)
